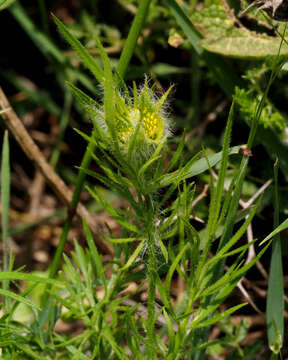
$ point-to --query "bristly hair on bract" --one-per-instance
(141, 121)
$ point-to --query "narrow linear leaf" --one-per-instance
(197, 167)
(18, 298)
(275, 296)
(173, 268)
(10, 275)
(171, 333)
(87, 59)
(283, 226)
(5, 199)
(5, 3)
(121, 240)
(134, 256)
(94, 252)
(133, 35)
(220, 316)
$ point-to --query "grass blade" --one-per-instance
(43, 42)
(133, 35)
(87, 59)
(275, 299)
(18, 298)
(5, 203)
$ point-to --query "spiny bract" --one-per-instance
(140, 119)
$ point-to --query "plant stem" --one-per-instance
(76, 196)
(5, 202)
(151, 277)
(133, 35)
(75, 199)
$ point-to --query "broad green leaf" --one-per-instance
(250, 48)
(222, 72)
(227, 79)
(222, 35)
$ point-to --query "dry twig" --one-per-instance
(32, 151)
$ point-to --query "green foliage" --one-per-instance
(5, 3)
(158, 241)
(269, 118)
(222, 36)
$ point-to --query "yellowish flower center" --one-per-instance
(153, 125)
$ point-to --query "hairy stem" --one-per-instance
(151, 276)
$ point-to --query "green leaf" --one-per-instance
(220, 316)
(5, 202)
(5, 3)
(222, 72)
(132, 38)
(121, 240)
(275, 296)
(43, 42)
(96, 259)
(83, 98)
(106, 333)
(165, 297)
(249, 48)
(18, 298)
(155, 156)
(87, 59)
(163, 249)
(196, 168)
(5, 198)
(114, 212)
(283, 226)
(170, 329)
(216, 198)
(13, 275)
(134, 256)
(173, 268)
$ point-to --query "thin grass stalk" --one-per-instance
(5, 204)
(151, 278)
(75, 200)
(43, 42)
(64, 121)
(275, 297)
(132, 38)
(43, 13)
(203, 334)
(71, 212)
